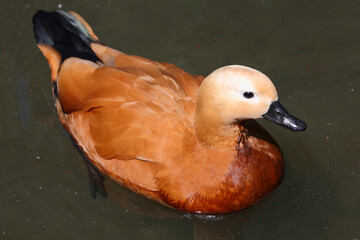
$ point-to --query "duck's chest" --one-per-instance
(256, 171)
(238, 181)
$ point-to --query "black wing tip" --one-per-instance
(41, 36)
(64, 33)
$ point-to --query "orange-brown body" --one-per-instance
(135, 119)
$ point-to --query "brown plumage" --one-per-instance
(147, 126)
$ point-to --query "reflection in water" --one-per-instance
(23, 100)
(205, 227)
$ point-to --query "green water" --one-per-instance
(311, 51)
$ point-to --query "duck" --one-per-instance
(186, 141)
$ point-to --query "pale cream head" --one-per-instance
(221, 95)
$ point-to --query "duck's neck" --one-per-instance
(214, 132)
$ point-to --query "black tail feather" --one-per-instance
(64, 33)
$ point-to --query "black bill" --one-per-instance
(279, 115)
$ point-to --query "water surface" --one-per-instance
(310, 49)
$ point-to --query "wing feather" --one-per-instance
(130, 117)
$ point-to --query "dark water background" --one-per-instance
(311, 51)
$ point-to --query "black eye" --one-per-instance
(248, 94)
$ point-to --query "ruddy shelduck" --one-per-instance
(186, 141)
